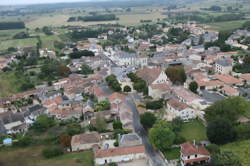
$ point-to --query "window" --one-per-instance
(196, 156)
(188, 157)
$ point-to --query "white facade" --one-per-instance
(120, 158)
(223, 69)
(184, 114)
(162, 78)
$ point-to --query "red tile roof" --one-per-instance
(119, 151)
(230, 91)
(227, 79)
(188, 149)
(176, 104)
(149, 74)
(245, 77)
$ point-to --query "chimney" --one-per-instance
(194, 142)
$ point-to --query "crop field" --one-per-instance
(228, 25)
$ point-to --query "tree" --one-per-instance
(102, 105)
(177, 124)
(63, 70)
(176, 74)
(229, 109)
(161, 136)
(225, 158)
(193, 86)
(43, 122)
(86, 69)
(220, 131)
(113, 164)
(127, 88)
(65, 140)
(148, 119)
(74, 128)
(101, 123)
(154, 105)
(113, 83)
(117, 125)
(79, 54)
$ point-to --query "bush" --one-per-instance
(154, 105)
(52, 152)
(127, 89)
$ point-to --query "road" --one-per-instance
(153, 155)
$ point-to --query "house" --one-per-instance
(228, 79)
(152, 75)
(223, 67)
(180, 109)
(33, 112)
(158, 90)
(227, 90)
(131, 139)
(85, 141)
(192, 154)
(119, 154)
(245, 77)
(131, 60)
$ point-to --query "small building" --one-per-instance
(227, 90)
(180, 109)
(7, 141)
(85, 141)
(223, 67)
(119, 154)
(192, 154)
(131, 139)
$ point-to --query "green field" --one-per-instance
(228, 25)
(241, 149)
(29, 42)
(32, 156)
(194, 130)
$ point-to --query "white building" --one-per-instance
(180, 109)
(223, 67)
(119, 154)
(192, 154)
(131, 60)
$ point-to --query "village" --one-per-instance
(128, 99)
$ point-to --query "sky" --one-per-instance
(15, 2)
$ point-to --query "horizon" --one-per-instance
(30, 2)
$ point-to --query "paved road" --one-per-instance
(153, 155)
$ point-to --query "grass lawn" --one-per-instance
(48, 41)
(173, 154)
(32, 156)
(194, 130)
(241, 149)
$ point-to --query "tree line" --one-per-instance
(102, 17)
(11, 25)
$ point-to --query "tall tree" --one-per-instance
(193, 86)
(176, 74)
(147, 120)
(225, 158)
(220, 131)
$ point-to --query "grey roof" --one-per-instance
(223, 63)
(130, 139)
(126, 55)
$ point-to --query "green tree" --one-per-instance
(193, 86)
(86, 69)
(127, 88)
(65, 140)
(176, 74)
(161, 136)
(101, 123)
(113, 83)
(229, 109)
(220, 131)
(225, 158)
(147, 119)
(102, 105)
(74, 128)
(155, 104)
(117, 125)
(43, 122)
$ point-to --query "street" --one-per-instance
(152, 154)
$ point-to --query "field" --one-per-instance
(29, 42)
(32, 156)
(228, 25)
(194, 130)
(241, 149)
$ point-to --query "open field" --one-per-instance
(194, 130)
(241, 149)
(32, 156)
(29, 42)
(228, 25)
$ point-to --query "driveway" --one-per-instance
(152, 154)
